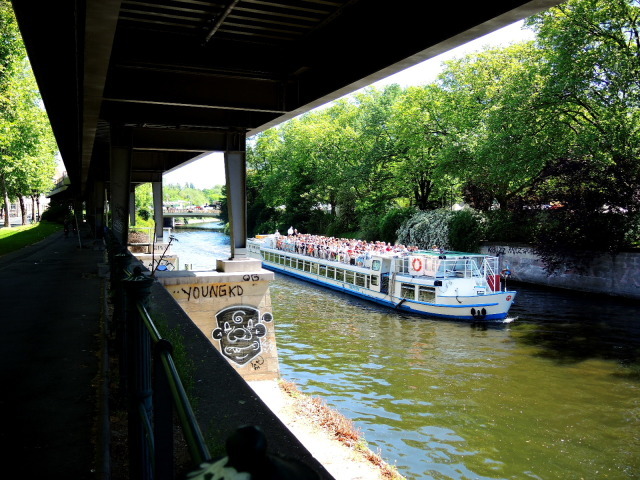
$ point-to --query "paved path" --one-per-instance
(50, 308)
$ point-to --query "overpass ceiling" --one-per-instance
(180, 77)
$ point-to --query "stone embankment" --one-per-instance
(617, 275)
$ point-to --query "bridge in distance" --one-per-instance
(177, 212)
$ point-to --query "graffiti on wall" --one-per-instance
(240, 330)
(510, 250)
(211, 291)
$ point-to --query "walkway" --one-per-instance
(50, 308)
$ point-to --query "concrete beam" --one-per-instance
(157, 86)
(178, 140)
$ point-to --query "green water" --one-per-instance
(552, 395)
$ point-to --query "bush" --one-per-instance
(509, 226)
(426, 229)
(144, 214)
(56, 213)
(466, 230)
(376, 228)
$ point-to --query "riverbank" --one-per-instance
(330, 437)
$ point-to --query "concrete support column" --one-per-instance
(236, 175)
(132, 206)
(157, 209)
(120, 181)
(98, 209)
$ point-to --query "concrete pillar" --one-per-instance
(132, 206)
(157, 209)
(78, 209)
(120, 182)
(98, 209)
(236, 175)
(233, 309)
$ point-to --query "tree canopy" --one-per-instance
(27, 147)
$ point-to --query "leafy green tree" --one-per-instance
(26, 142)
(592, 55)
(420, 132)
(501, 135)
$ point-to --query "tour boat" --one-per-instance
(448, 285)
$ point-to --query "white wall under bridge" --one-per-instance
(617, 275)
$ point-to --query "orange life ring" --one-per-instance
(413, 264)
(508, 297)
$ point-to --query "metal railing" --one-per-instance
(148, 374)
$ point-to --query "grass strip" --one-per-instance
(15, 238)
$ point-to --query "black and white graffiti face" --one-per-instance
(239, 331)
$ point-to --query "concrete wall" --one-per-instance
(617, 275)
(233, 310)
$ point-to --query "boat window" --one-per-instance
(375, 265)
(331, 272)
(340, 274)
(361, 280)
(408, 291)
(323, 270)
(426, 294)
(288, 262)
(306, 266)
(349, 276)
(314, 268)
(375, 280)
(431, 266)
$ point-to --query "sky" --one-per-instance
(208, 170)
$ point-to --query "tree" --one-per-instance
(26, 143)
(12, 54)
(421, 133)
(592, 52)
(501, 133)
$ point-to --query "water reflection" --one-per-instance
(572, 327)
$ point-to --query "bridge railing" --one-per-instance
(155, 390)
(149, 378)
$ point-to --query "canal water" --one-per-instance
(553, 394)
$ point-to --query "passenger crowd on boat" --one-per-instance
(345, 250)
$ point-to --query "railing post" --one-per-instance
(163, 414)
(137, 289)
(120, 262)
